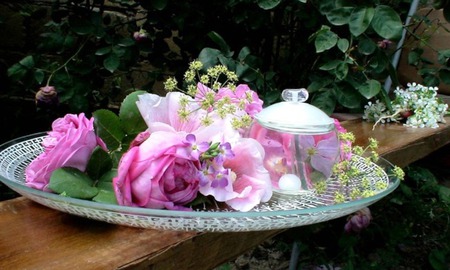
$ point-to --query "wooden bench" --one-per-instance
(35, 237)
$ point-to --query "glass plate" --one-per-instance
(279, 213)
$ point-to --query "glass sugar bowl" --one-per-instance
(300, 141)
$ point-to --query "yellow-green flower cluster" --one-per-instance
(347, 170)
(214, 78)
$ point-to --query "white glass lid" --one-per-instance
(294, 116)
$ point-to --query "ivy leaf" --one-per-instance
(444, 194)
(126, 42)
(159, 4)
(325, 40)
(387, 23)
(268, 4)
(81, 25)
(340, 16)
(209, 57)
(348, 97)
(360, 20)
(325, 101)
(370, 88)
(103, 51)
(129, 114)
(366, 46)
(343, 44)
(330, 65)
(444, 75)
(39, 76)
(73, 183)
(224, 48)
(112, 62)
(341, 71)
(99, 163)
(109, 127)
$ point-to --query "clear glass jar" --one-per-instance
(300, 141)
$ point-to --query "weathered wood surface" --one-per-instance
(35, 237)
(399, 144)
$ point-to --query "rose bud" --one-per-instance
(46, 96)
(360, 220)
(140, 35)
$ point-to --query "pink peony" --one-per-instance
(69, 144)
(159, 173)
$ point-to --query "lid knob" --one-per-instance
(295, 95)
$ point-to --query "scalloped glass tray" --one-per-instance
(279, 213)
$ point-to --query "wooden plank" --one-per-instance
(35, 237)
(399, 144)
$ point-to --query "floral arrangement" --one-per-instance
(175, 152)
(417, 106)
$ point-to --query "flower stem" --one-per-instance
(66, 63)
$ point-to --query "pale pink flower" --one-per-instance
(247, 181)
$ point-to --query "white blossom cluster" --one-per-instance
(376, 111)
(417, 104)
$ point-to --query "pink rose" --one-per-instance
(159, 173)
(69, 144)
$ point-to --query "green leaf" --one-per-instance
(366, 46)
(387, 23)
(27, 62)
(330, 65)
(209, 57)
(129, 114)
(105, 196)
(126, 42)
(437, 259)
(325, 101)
(105, 182)
(325, 40)
(112, 62)
(109, 127)
(16, 72)
(106, 190)
(103, 51)
(159, 4)
(73, 183)
(341, 71)
(340, 16)
(216, 38)
(343, 44)
(81, 25)
(348, 97)
(414, 57)
(370, 88)
(444, 75)
(243, 53)
(268, 4)
(360, 20)
(99, 163)
(444, 194)
(39, 76)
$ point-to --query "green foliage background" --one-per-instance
(87, 51)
